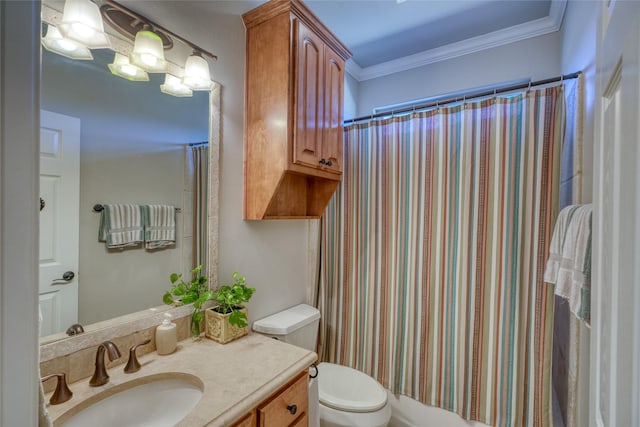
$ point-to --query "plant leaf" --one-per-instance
(189, 298)
(238, 319)
(175, 277)
(167, 298)
(197, 316)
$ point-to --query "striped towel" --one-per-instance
(160, 226)
(569, 264)
(121, 226)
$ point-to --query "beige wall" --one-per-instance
(535, 58)
(114, 282)
(271, 254)
(579, 43)
(19, 99)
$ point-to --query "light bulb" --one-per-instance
(173, 86)
(148, 52)
(82, 22)
(67, 45)
(148, 59)
(196, 73)
(54, 42)
(82, 29)
(128, 69)
(121, 67)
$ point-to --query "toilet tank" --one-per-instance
(297, 325)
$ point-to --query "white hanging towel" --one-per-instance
(569, 264)
(121, 225)
(160, 226)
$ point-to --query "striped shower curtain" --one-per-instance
(433, 253)
(200, 237)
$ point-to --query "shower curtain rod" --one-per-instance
(471, 95)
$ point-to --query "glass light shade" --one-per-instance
(173, 86)
(82, 22)
(148, 52)
(121, 67)
(196, 73)
(54, 42)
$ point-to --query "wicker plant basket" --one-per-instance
(218, 328)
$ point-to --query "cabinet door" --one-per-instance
(333, 104)
(307, 138)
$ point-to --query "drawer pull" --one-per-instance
(292, 409)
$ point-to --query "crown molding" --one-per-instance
(539, 27)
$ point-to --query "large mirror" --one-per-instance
(137, 145)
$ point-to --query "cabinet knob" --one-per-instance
(322, 161)
(292, 409)
(329, 163)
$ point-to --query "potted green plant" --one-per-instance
(227, 320)
(195, 291)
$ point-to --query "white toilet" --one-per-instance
(347, 397)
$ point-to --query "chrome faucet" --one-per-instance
(100, 375)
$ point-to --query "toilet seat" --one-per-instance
(347, 389)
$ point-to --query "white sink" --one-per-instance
(152, 401)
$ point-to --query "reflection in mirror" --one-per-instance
(135, 147)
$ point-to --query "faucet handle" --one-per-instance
(100, 376)
(62, 392)
(133, 365)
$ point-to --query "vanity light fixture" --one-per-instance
(121, 67)
(131, 24)
(82, 22)
(148, 51)
(196, 72)
(54, 42)
(173, 86)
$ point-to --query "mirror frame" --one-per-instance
(56, 345)
(60, 344)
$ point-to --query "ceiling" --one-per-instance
(387, 36)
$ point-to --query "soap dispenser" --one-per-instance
(166, 336)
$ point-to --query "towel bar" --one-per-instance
(98, 208)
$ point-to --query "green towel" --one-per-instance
(160, 226)
(121, 225)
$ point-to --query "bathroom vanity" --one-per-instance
(249, 382)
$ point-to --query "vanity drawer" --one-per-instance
(278, 411)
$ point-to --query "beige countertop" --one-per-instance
(235, 376)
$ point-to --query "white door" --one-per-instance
(59, 201)
(615, 345)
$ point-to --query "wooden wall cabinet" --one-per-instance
(287, 407)
(294, 112)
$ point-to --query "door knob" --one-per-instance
(66, 277)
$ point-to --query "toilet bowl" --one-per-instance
(347, 397)
(350, 398)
